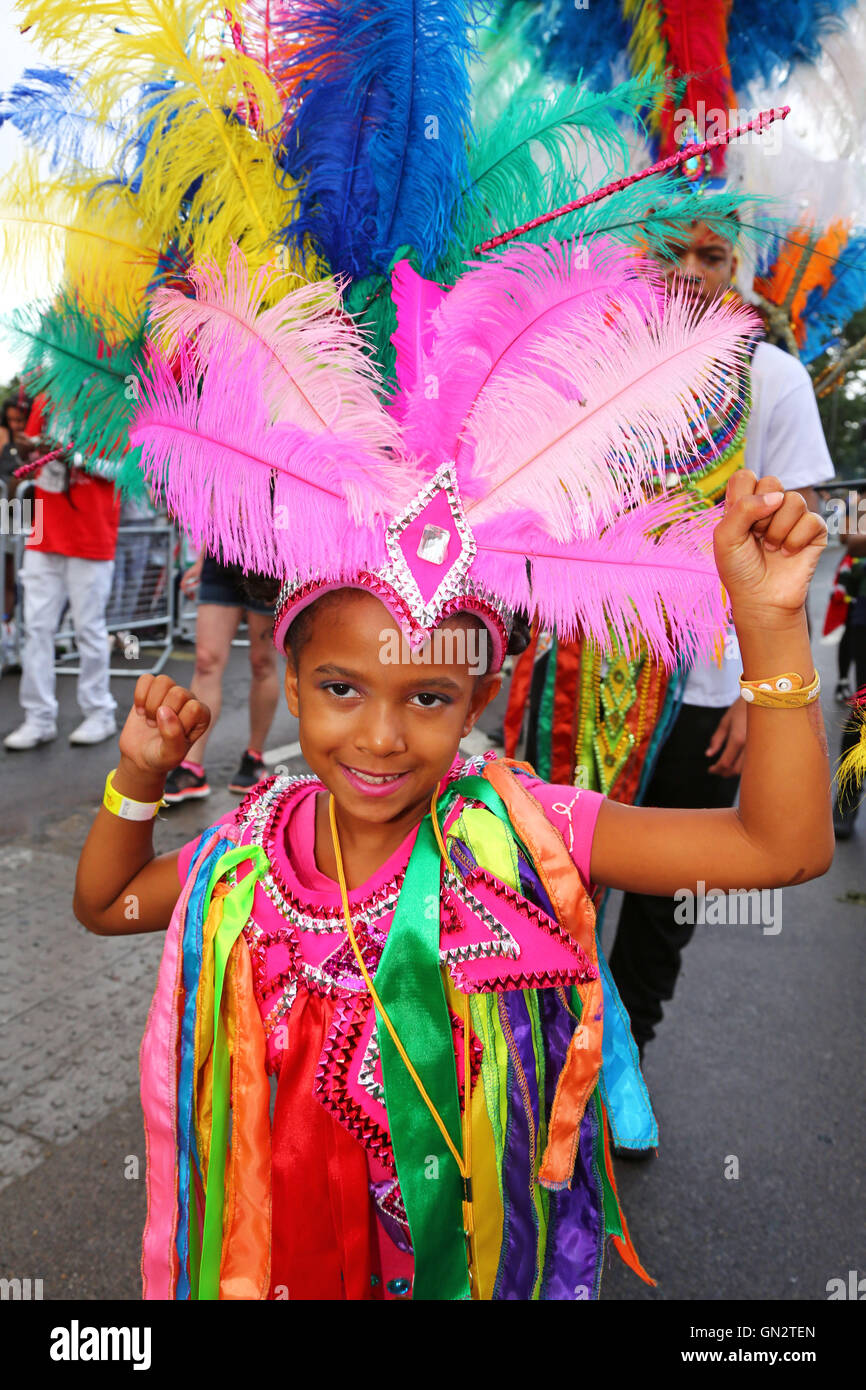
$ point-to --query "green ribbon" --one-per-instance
(544, 736)
(409, 983)
(236, 908)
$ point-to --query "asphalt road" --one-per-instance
(756, 1074)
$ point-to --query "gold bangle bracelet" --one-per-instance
(787, 691)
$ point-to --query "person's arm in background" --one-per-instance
(190, 579)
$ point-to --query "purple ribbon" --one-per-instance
(575, 1231)
(518, 1261)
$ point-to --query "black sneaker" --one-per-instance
(182, 784)
(251, 771)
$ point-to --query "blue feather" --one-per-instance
(572, 40)
(328, 153)
(378, 143)
(827, 311)
(764, 41)
(49, 109)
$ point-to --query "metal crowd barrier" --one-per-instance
(140, 616)
(7, 632)
(147, 610)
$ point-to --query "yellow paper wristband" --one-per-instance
(124, 806)
(781, 692)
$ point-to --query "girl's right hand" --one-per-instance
(163, 724)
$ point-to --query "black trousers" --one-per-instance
(646, 956)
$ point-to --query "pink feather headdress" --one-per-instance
(539, 403)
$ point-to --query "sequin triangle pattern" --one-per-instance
(349, 1080)
(308, 947)
(494, 939)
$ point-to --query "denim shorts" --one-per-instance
(221, 584)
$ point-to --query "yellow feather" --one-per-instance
(43, 222)
(852, 766)
(647, 48)
(108, 260)
(190, 131)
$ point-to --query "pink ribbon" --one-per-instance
(157, 1060)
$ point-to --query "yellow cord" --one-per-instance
(464, 1014)
(464, 1164)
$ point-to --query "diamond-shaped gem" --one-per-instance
(433, 545)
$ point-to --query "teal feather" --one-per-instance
(92, 390)
(538, 149)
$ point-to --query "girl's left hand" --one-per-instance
(767, 547)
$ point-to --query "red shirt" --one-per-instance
(82, 523)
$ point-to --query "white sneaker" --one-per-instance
(95, 729)
(28, 735)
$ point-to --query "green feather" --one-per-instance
(369, 302)
(658, 213)
(91, 393)
(538, 146)
(506, 68)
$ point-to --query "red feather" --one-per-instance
(696, 37)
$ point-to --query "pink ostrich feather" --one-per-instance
(495, 314)
(649, 575)
(309, 356)
(645, 379)
(416, 301)
(273, 498)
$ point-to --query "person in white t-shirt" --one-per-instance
(699, 765)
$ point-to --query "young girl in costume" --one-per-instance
(405, 939)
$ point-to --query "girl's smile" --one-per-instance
(375, 784)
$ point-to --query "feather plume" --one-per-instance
(211, 180)
(120, 274)
(88, 368)
(289, 389)
(309, 357)
(827, 310)
(654, 220)
(539, 148)
(493, 317)
(416, 301)
(851, 767)
(50, 225)
(827, 94)
(274, 498)
(204, 173)
(258, 29)
(569, 43)
(765, 41)
(696, 37)
(580, 414)
(805, 262)
(50, 111)
(648, 575)
(379, 138)
(506, 66)
(647, 46)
